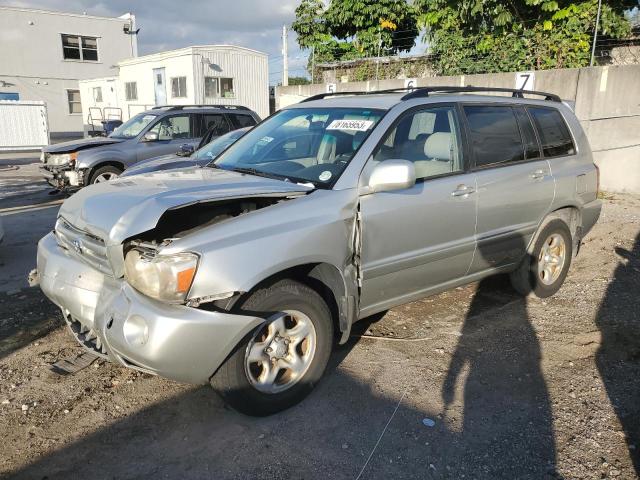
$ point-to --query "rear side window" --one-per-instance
(241, 121)
(495, 136)
(553, 131)
(216, 122)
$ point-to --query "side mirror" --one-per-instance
(392, 175)
(186, 150)
(150, 137)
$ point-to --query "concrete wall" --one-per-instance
(607, 103)
(32, 64)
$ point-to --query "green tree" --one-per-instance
(349, 29)
(474, 36)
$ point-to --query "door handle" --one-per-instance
(462, 191)
(538, 174)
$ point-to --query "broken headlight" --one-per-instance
(164, 277)
(62, 159)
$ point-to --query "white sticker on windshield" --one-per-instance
(324, 176)
(265, 139)
(359, 125)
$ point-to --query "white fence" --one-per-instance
(23, 125)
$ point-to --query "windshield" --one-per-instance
(302, 144)
(212, 149)
(132, 127)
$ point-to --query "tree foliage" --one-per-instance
(349, 29)
(475, 36)
(462, 36)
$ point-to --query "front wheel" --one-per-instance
(278, 364)
(104, 174)
(543, 272)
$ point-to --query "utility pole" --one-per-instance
(285, 59)
(313, 62)
(595, 34)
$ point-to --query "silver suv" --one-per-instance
(244, 272)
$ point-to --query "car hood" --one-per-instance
(165, 162)
(82, 144)
(121, 208)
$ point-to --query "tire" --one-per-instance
(108, 172)
(530, 278)
(237, 380)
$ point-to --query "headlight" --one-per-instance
(62, 159)
(163, 277)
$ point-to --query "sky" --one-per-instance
(169, 24)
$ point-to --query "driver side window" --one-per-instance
(171, 128)
(429, 138)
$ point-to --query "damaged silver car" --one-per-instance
(245, 272)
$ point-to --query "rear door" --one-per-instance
(173, 131)
(515, 187)
(416, 240)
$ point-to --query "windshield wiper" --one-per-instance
(259, 173)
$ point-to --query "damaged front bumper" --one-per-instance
(62, 177)
(110, 318)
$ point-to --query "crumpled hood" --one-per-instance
(121, 208)
(165, 162)
(82, 144)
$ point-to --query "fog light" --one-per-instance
(135, 330)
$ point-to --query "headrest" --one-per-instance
(438, 146)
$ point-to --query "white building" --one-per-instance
(197, 75)
(43, 55)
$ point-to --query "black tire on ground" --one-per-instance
(525, 278)
(231, 380)
(106, 170)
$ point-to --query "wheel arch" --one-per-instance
(569, 214)
(327, 280)
(104, 163)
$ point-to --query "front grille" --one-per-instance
(83, 245)
(86, 336)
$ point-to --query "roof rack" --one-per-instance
(418, 92)
(320, 96)
(181, 107)
(516, 93)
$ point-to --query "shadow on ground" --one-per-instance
(618, 359)
(499, 427)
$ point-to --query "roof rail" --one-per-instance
(181, 107)
(320, 96)
(516, 93)
(418, 92)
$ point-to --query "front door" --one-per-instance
(173, 131)
(418, 240)
(160, 86)
(515, 185)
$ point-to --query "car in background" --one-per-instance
(159, 131)
(207, 152)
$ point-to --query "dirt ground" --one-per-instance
(473, 383)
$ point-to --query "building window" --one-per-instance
(73, 98)
(179, 87)
(97, 94)
(131, 91)
(76, 47)
(226, 88)
(216, 87)
(211, 89)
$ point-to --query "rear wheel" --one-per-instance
(543, 272)
(104, 174)
(279, 363)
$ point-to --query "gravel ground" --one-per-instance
(473, 383)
